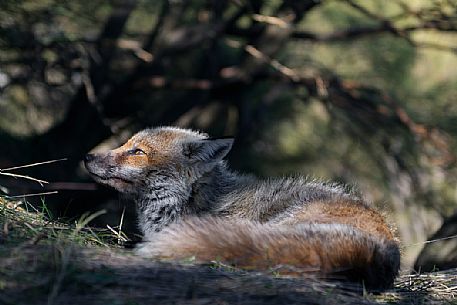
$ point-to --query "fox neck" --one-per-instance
(157, 209)
(210, 187)
(165, 202)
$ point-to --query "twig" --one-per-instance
(32, 165)
(41, 182)
(432, 241)
(270, 20)
(117, 233)
(136, 48)
(5, 171)
(120, 225)
(273, 63)
(31, 195)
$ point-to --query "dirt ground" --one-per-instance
(50, 262)
(66, 274)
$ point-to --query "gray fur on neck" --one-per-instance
(161, 200)
(165, 200)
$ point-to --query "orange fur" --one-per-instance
(348, 212)
(327, 250)
(156, 154)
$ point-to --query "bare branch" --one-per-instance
(32, 195)
(41, 182)
(32, 165)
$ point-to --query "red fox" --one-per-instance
(190, 204)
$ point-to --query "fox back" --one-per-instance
(191, 205)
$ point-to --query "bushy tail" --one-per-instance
(329, 250)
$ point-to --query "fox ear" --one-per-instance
(208, 150)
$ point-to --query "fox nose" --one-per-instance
(89, 157)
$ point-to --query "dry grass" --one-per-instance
(47, 262)
(21, 222)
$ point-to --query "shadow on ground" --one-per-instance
(66, 274)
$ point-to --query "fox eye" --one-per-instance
(136, 152)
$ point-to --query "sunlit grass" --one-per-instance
(22, 222)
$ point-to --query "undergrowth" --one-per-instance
(22, 222)
(47, 261)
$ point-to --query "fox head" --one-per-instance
(157, 157)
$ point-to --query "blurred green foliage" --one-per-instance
(363, 92)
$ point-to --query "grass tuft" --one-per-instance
(23, 223)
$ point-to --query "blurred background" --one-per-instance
(361, 92)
